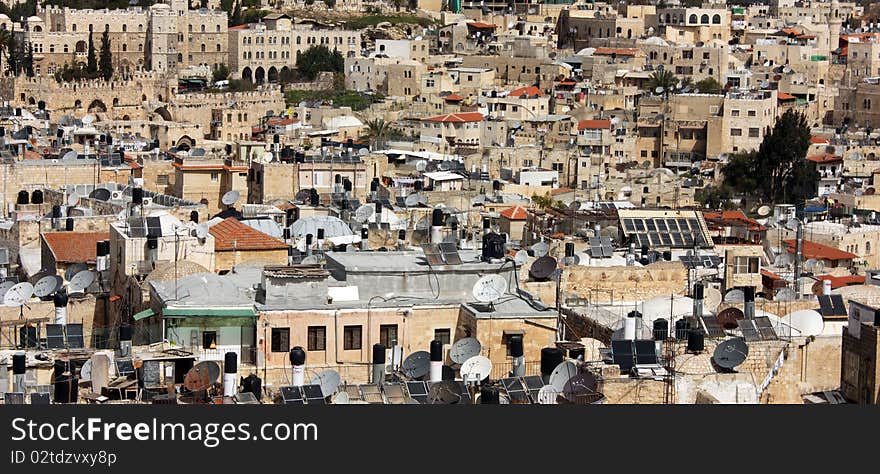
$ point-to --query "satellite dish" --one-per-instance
(311, 260)
(785, 294)
(521, 258)
(70, 155)
(574, 206)
(764, 211)
(417, 365)
(730, 353)
(4, 287)
(792, 224)
(329, 381)
(579, 385)
(202, 231)
(541, 249)
(341, 398)
(659, 90)
(202, 376)
(476, 369)
(230, 198)
(811, 264)
(464, 349)
(543, 268)
(85, 372)
(447, 392)
(268, 157)
(562, 374)
(734, 296)
(101, 194)
(807, 321)
(489, 288)
(88, 119)
(413, 200)
(47, 286)
(18, 294)
(81, 281)
(363, 151)
(364, 213)
(74, 269)
(728, 317)
(711, 299)
(548, 394)
(421, 166)
(73, 199)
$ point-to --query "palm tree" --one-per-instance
(662, 78)
(5, 42)
(377, 130)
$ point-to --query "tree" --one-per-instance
(6, 43)
(778, 171)
(377, 130)
(28, 61)
(709, 86)
(13, 55)
(106, 56)
(662, 78)
(92, 59)
(318, 59)
(546, 201)
(236, 18)
(220, 73)
(330, 3)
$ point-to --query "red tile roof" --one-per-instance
(605, 51)
(456, 118)
(74, 247)
(529, 91)
(515, 213)
(837, 282)
(818, 140)
(454, 97)
(771, 275)
(594, 124)
(562, 190)
(239, 27)
(230, 234)
(732, 218)
(784, 96)
(819, 251)
(825, 158)
(480, 24)
(567, 82)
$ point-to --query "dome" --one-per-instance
(166, 271)
(333, 227)
(160, 6)
(3, 17)
(32, 19)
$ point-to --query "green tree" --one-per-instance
(220, 73)
(318, 59)
(91, 59)
(6, 43)
(778, 171)
(546, 201)
(106, 56)
(377, 131)
(709, 86)
(13, 55)
(28, 61)
(236, 18)
(662, 78)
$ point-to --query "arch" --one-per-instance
(184, 143)
(32, 101)
(77, 103)
(97, 105)
(273, 74)
(704, 19)
(143, 97)
(247, 75)
(116, 102)
(126, 117)
(38, 28)
(163, 112)
(716, 19)
(259, 75)
(693, 19)
(81, 47)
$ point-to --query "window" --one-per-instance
(734, 112)
(505, 340)
(209, 339)
(753, 113)
(351, 338)
(754, 133)
(388, 335)
(736, 132)
(215, 176)
(317, 338)
(280, 339)
(746, 264)
(162, 180)
(443, 335)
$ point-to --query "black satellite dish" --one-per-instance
(730, 353)
(447, 392)
(543, 268)
(418, 364)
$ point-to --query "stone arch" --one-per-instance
(259, 75)
(81, 47)
(164, 113)
(126, 117)
(693, 19)
(716, 19)
(78, 103)
(704, 19)
(247, 75)
(273, 74)
(184, 143)
(32, 101)
(97, 105)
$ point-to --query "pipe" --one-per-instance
(436, 361)
(518, 354)
(19, 367)
(365, 238)
(378, 364)
(298, 364)
(230, 374)
(698, 299)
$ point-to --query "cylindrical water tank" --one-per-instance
(37, 197)
(681, 329)
(695, 340)
(23, 198)
(550, 358)
(661, 329)
(629, 328)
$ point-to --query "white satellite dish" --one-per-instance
(807, 321)
(548, 394)
(202, 231)
(268, 157)
(785, 294)
(88, 119)
(329, 381)
(73, 199)
(463, 349)
(230, 198)
(562, 373)
(489, 288)
(811, 265)
(364, 213)
(85, 372)
(4, 287)
(70, 155)
(541, 249)
(734, 296)
(521, 257)
(413, 200)
(711, 299)
(81, 281)
(341, 398)
(18, 294)
(476, 369)
(310, 260)
(764, 211)
(421, 166)
(659, 90)
(792, 224)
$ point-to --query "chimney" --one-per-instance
(518, 354)
(125, 341)
(378, 364)
(550, 358)
(436, 361)
(437, 226)
(60, 301)
(19, 367)
(230, 374)
(749, 305)
(298, 364)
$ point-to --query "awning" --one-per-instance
(143, 314)
(203, 311)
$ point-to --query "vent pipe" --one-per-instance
(518, 354)
(19, 367)
(437, 226)
(320, 239)
(378, 364)
(749, 305)
(230, 374)
(436, 361)
(365, 238)
(298, 364)
(309, 238)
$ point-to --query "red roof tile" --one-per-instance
(848, 280)
(818, 140)
(594, 124)
(825, 158)
(230, 234)
(515, 213)
(74, 247)
(769, 274)
(732, 218)
(819, 251)
(454, 97)
(784, 96)
(529, 91)
(480, 24)
(456, 118)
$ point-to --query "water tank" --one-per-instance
(569, 249)
(230, 363)
(493, 246)
(695, 340)
(667, 255)
(152, 243)
(194, 216)
(19, 363)
(550, 358)
(102, 248)
(60, 299)
(629, 328)
(60, 366)
(23, 197)
(320, 233)
(56, 212)
(346, 185)
(661, 329)
(137, 196)
(437, 218)
(516, 346)
(417, 185)
(314, 198)
(37, 197)
(297, 356)
(125, 332)
(378, 354)
(68, 225)
(436, 351)
(66, 388)
(489, 395)
(374, 185)
(681, 329)
(253, 384)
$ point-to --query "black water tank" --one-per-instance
(374, 185)
(19, 363)
(230, 363)
(56, 212)
(320, 233)
(634, 314)
(365, 232)
(228, 149)
(496, 185)
(749, 294)
(337, 179)
(298, 356)
(437, 218)
(125, 332)
(152, 242)
(661, 329)
(314, 198)
(194, 216)
(401, 234)
(667, 255)
(60, 299)
(436, 351)
(681, 329)
(417, 185)
(68, 225)
(550, 358)
(493, 246)
(66, 388)
(23, 197)
(516, 346)
(378, 354)
(695, 340)
(253, 384)
(309, 239)
(137, 195)
(699, 291)
(276, 138)
(346, 185)
(569, 249)
(102, 248)
(285, 233)
(37, 197)
(489, 395)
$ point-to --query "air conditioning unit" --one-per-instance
(147, 202)
(116, 195)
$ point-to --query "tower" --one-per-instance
(834, 23)
(161, 51)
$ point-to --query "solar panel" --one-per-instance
(433, 254)
(154, 227)
(765, 328)
(372, 394)
(313, 394)
(839, 307)
(449, 253)
(394, 393)
(417, 387)
(55, 336)
(40, 398)
(513, 384)
(712, 327)
(124, 367)
(622, 352)
(533, 382)
(137, 227)
(519, 398)
(14, 398)
(291, 396)
(646, 352)
(749, 331)
(75, 339)
(826, 307)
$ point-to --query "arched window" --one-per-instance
(73, 27)
(203, 47)
(124, 28)
(203, 28)
(124, 47)
(692, 19)
(218, 47)
(190, 28)
(716, 19)
(704, 19)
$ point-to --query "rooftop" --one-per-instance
(230, 234)
(74, 247)
(819, 251)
